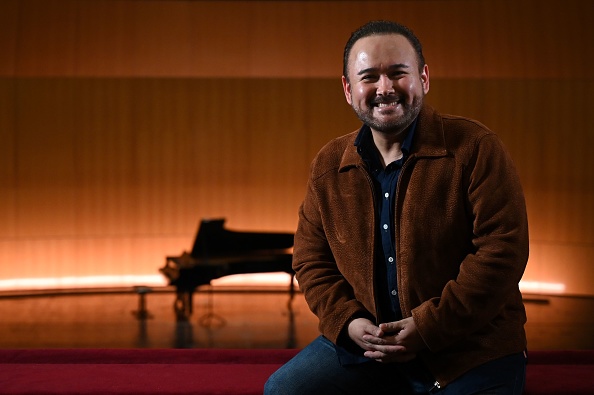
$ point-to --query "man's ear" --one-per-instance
(425, 79)
(347, 90)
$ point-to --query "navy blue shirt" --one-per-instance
(385, 181)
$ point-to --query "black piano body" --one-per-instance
(219, 252)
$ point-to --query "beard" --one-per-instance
(391, 126)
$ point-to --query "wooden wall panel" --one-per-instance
(107, 165)
(568, 264)
(534, 39)
(45, 165)
(547, 129)
(8, 179)
(8, 36)
(125, 122)
(463, 39)
(116, 148)
(46, 38)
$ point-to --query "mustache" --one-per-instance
(384, 99)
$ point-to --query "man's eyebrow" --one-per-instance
(394, 66)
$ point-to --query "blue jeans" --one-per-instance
(316, 370)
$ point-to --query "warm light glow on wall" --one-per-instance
(152, 280)
(541, 287)
(240, 280)
(23, 284)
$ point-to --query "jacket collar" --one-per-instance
(429, 140)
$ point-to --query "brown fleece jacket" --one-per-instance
(461, 243)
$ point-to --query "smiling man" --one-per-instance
(411, 242)
(386, 96)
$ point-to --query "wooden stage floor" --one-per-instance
(226, 318)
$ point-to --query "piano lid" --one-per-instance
(213, 239)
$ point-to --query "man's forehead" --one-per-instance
(385, 44)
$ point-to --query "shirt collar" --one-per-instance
(366, 148)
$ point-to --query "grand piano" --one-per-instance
(219, 252)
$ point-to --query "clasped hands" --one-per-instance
(397, 341)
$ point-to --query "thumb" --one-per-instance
(373, 329)
(363, 325)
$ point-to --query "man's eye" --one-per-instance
(369, 78)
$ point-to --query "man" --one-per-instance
(411, 242)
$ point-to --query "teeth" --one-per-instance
(385, 104)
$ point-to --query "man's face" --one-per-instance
(385, 87)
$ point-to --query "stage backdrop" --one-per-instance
(123, 123)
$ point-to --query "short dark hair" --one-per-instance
(376, 28)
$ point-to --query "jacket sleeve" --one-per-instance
(485, 291)
(328, 294)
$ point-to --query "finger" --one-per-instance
(374, 330)
(377, 355)
(368, 327)
(391, 327)
(392, 358)
(381, 341)
(373, 340)
(387, 350)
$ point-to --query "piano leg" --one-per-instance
(183, 305)
(142, 313)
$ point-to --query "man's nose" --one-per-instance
(385, 85)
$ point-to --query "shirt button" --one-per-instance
(385, 226)
(387, 195)
(390, 259)
(394, 293)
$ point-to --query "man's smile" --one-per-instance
(386, 102)
(383, 105)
